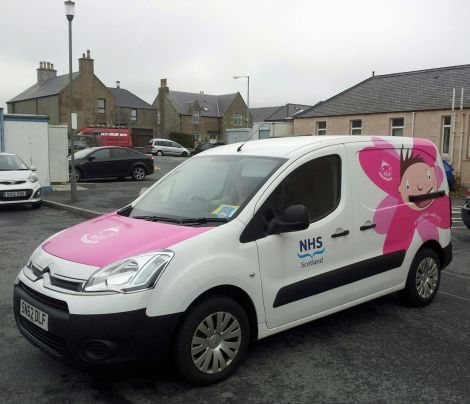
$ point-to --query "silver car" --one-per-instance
(166, 147)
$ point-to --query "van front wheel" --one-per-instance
(212, 340)
(423, 279)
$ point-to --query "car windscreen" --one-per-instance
(10, 162)
(209, 187)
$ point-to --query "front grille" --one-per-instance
(53, 342)
(64, 284)
(12, 182)
(29, 192)
(50, 301)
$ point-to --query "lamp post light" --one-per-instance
(247, 98)
(69, 13)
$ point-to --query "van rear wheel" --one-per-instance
(211, 341)
(159, 153)
(423, 279)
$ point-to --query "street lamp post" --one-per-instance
(69, 13)
(118, 111)
(247, 98)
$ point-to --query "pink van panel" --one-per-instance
(112, 237)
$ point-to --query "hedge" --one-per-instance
(183, 139)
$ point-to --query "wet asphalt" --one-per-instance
(380, 351)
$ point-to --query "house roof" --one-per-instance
(125, 99)
(211, 105)
(51, 86)
(263, 113)
(281, 113)
(419, 90)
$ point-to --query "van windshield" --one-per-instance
(206, 189)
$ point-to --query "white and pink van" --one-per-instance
(239, 243)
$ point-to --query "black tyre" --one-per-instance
(211, 341)
(36, 205)
(159, 153)
(423, 279)
(184, 154)
(138, 173)
(78, 175)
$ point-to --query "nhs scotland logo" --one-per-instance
(312, 249)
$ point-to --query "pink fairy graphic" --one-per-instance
(412, 181)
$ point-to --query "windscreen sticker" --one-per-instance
(224, 211)
(406, 176)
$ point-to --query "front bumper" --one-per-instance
(100, 339)
(33, 194)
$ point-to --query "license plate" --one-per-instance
(34, 315)
(14, 194)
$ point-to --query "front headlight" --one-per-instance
(32, 177)
(131, 274)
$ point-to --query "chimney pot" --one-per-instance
(40, 65)
(88, 53)
(48, 65)
(373, 73)
(163, 83)
(52, 66)
(83, 55)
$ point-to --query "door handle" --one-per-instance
(367, 227)
(340, 234)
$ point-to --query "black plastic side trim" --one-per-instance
(338, 277)
(447, 256)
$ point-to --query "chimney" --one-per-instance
(164, 86)
(85, 64)
(201, 92)
(45, 71)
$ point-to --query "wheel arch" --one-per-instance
(436, 247)
(237, 294)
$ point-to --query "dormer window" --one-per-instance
(196, 117)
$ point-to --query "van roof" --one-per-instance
(289, 147)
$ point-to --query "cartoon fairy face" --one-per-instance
(418, 179)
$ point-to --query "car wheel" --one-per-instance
(184, 154)
(138, 173)
(211, 341)
(78, 175)
(423, 279)
(159, 153)
(36, 205)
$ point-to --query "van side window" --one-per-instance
(316, 184)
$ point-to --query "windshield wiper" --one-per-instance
(200, 220)
(157, 219)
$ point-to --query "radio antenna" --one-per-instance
(239, 148)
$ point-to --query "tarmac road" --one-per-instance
(380, 351)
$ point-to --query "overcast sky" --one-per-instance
(299, 51)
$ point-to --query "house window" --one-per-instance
(197, 137)
(396, 126)
(356, 127)
(101, 106)
(321, 128)
(133, 115)
(196, 117)
(446, 141)
(158, 118)
(237, 119)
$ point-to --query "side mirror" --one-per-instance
(33, 168)
(91, 158)
(294, 218)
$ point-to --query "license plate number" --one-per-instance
(34, 315)
(14, 194)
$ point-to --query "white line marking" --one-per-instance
(460, 276)
(457, 297)
(458, 227)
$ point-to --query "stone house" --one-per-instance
(134, 113)
(94, 103)
(206, 117)
(417, 104)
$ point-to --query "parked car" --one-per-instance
(105, 162)
(18, 182)
(205, 146)
(450, 175)
(233, 247)
(466, 209)
(166, 147)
